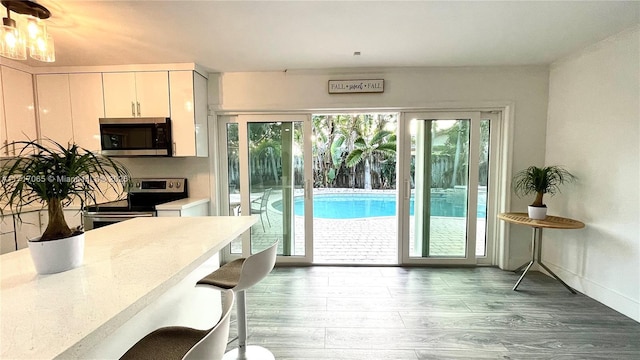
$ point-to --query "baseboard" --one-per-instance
(518, 261)
(611, 298)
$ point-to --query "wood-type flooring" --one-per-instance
(418, 313)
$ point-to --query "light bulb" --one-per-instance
(42, 49)
(41, 44)
(35, 28)
(10, 39)
(12, 44)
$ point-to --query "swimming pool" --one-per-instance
(355, 206)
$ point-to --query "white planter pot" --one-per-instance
(537, 212)
(54, 256)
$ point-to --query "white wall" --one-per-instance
(592, 129)
(523, 88)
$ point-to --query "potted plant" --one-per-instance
(540, 181)
(56, 176)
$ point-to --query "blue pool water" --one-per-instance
(353, 206)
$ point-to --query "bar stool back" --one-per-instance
(179, 342)
(238, 276)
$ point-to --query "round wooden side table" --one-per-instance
(550, 222)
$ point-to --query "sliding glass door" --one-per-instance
(437, 166)
(444, 167)
(268, 177)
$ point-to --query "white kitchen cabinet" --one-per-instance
(184, 208)
(87, 106)
(7, 235)
(169, 213)
(152, 91)
(19, 109)
(3, 126)
(54, 108)
(69, 106)
(28, 227)
(189, 130)
(119, 94)
(136, 94)
(201, 210)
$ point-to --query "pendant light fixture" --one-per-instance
(26, 30)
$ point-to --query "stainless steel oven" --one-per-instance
(142, 198)
(97, 220)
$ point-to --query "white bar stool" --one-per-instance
(238, 276)
(179, 342)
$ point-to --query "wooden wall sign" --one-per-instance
(356, 86)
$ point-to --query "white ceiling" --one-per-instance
(277, 35)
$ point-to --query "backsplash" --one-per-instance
(196, 170)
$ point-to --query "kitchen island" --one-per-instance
(128, 267)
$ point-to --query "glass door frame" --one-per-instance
(243, 121)
(493, 186)
(404, 193)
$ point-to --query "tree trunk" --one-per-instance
(456, 160)
(274, 169)
(352, 178)
(367, 174)
(57, 227)
(538, 200)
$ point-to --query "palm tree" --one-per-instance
(335, 138)
(383, 142)
(347, 128)
(265, 148)
(327, 148)
(456, 148)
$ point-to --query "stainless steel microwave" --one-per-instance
(135, 136)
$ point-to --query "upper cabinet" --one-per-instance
(188, 113)
(3, 126)
(87, 106)
(69, 106)
(19, 113)
(54, 108)
(136, 94)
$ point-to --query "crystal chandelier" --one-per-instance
(26, 30)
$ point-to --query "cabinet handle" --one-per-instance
(14, 148)
(6, 147)
(174, 148)
(133, 109)
(138, 108)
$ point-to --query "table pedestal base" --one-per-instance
(536, 257)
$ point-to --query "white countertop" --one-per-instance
(126, 266)
(182, 204)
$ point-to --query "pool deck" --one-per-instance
(364, 241)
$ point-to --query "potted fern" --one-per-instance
(56, 176)
(540, 181)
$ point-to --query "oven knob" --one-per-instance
(138, 184)
(170, 185)
(178, 185)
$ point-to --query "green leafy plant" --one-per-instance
(540, 181)
(56, 176)
(383, 142)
